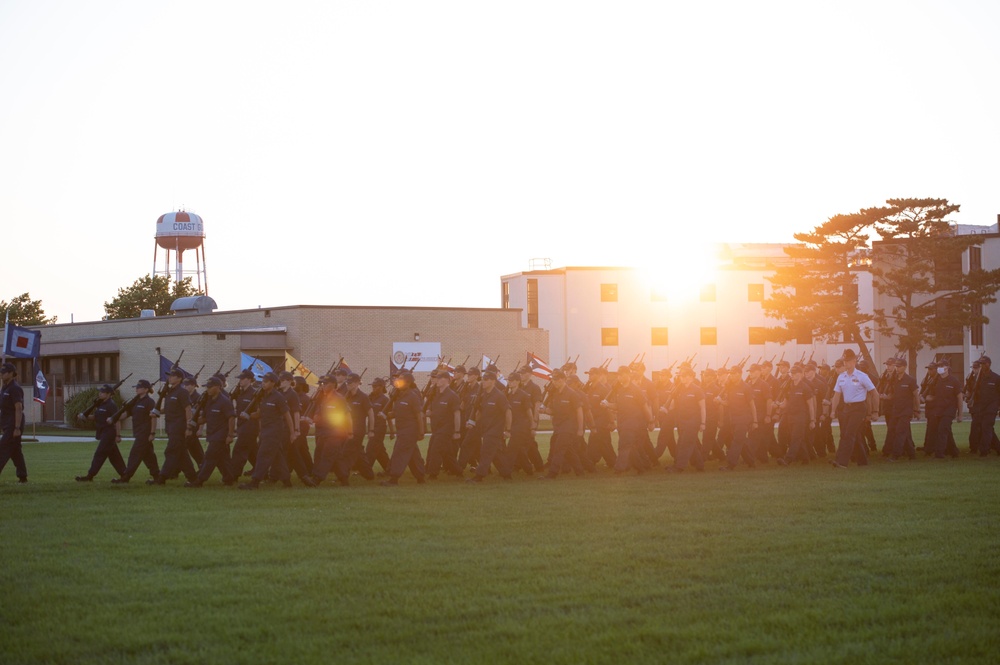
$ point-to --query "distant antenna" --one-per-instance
(540, 264)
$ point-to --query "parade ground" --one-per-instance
(892, 563)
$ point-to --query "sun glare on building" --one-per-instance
(681, 274)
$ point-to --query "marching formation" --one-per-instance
(479, 420)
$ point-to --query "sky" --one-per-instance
(411, 153)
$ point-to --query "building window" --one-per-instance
(609, 293)
(658, 294)
(709, 337)
(505, 295)
(975, 258)
(609, 336)
(708, 293)
(660, 337)
(532, 303)
(758, 335)
(755, 292)
(851, 292)
(950, 312)
(947, 270)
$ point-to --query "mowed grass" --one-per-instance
(892, 563)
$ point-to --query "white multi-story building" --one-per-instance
(709, 306)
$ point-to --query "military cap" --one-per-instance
(220, 376)
(300, 381)
(796, 368)
(270, 376)
(476, 371)
(754, 368)
(106, 388)
(247, 374)
(986, 361)
(489, 375)
(175, 371)
(900, 362)
(849, 354)
(686, 370)
(327, 378)
(378, 381)
(353, 378)
(784, 362)
(559, 374)
(341, 370)
(190, 381)
(286, 376)
(624, 369)
(143, 383)
(459, 369)
(213, 381)
(8, 368)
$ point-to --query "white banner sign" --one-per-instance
(426, 355)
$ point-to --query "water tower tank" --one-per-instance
(177, 232)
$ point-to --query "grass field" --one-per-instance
(892, 563)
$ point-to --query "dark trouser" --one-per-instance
(517, 449)
(665, 439)
(534, 456)
(217, 457)
(898, 441)
(493, 451)
(738, 447)
(296, 459)
(271, 453)
(406, 454)
(562, 453)
(629, 451)
(194, 449)
(107, 449)
(142, 452)
(709, 438)
(471, 444)
(771, 442)
(647, 449)
(441, 453)
(852, 419)
(985, 423)
(175, 457)
(688, 447)
(245, 449)
(797, 426)
(10, 449)
(329, 454)
(376, 451)
(761, 439)
(599, 447)
(943, 443)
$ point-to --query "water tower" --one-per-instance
(177, 232)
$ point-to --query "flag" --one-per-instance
(41, 385)
(538, 367)
(258, 367)
(500, 377)
(166, 365)
(20, 342)
(300, 370)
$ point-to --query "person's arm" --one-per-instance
(18, 410)
(834, 403)
(579, 421)
(457, 417)
(232, 429)
(916, 401)
(811, 403)
(753, 415)
(420, 422)
(873, 404)
(508, 418)
(701, 408)
(289, 423)
(370, 422)
(958, 413)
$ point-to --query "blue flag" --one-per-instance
(166, 365)
(41, 385)
(258, 367)
(20, 342)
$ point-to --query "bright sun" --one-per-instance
(680, 275)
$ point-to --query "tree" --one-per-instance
(918, 267)
(149, 292)
(24, 311)
(815, 294)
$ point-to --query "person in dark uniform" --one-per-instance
(445, 411)
(300, 445)
(798, 413)
(860, 401)
(814, 437)
(770, 439)
(740, 414)
(632, 413)
(902, 405)
(760, 389)
(245, 448)
(376, 452)
(144, 433)
(494, 421)
(363, 422)
(472, 441)
(191, 442)
(944, 404)
(644, 383)
(219, 418)
(276, 430)
(983, 405)
(688, 402)
(407, 416)
(665, 440)
(522, 424)
(331, 414)
(301, 467)
(709, 441)
(535, 393)
(11, 421)
(108, 434)
(599, 446)
(566, 409)
(176, 415)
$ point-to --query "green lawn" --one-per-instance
(893, 563)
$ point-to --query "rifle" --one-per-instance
(335, 365)
(634, 360)
(725, 364)
(90, 409)
(292, 371)
(128, 404)
(230, 371)
(198, 373)
(166, 386)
